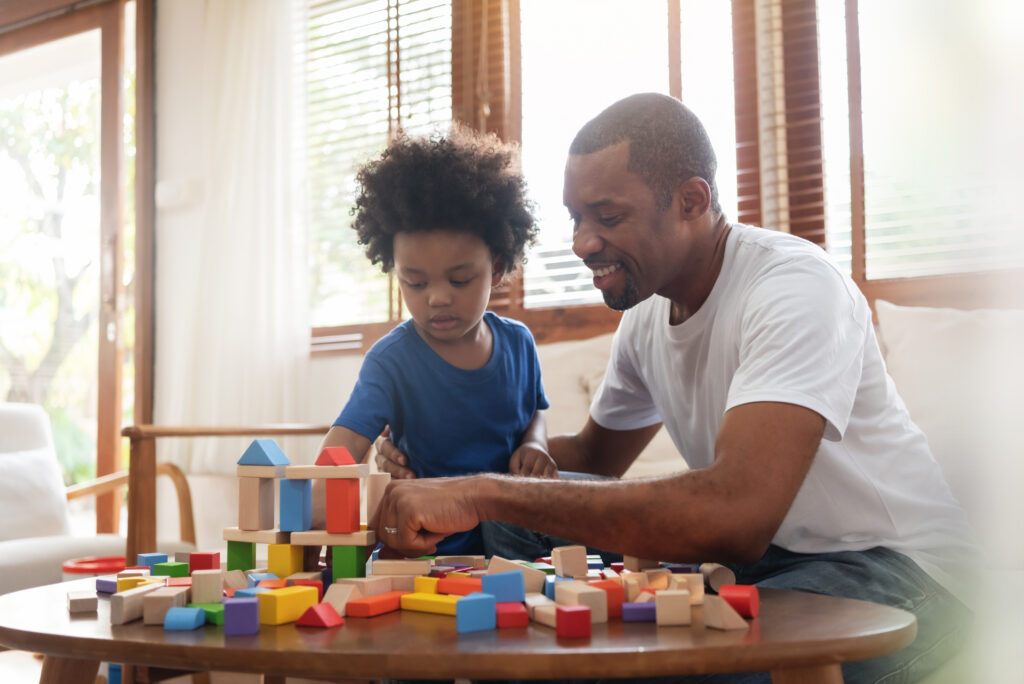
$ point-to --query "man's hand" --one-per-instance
(414, 515)
(532, 461)
(390, 459)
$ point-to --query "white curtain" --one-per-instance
(232, 333)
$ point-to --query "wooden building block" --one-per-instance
(371, 606)
(348, 561)
(743, 598)
(462, 586)
(151, 559)
(279, 606)
(241, 555)
(411, 566)
(533, 580)
(262, 472)
(692, 582)
(534, 600)
(505, 587)
(178, 619)
(270, 536)
(442, 604)
(324, 538)
(255, 503)
(404, 582)
(255, 577)
(203, 560)
(342, 503)
(635, 564)
(320, 615)
(570, 561)
(633, 584)
(207, 586)
(263, 452)
(306, 575)
(295, 505)
(426, 585)
(127, 605)
(376, 483)
(214, 612)
(458, 561)
(572, 622)
(576, 593)
(340, 594)
(235, 579)
(156, 603)
(241, 616)
(318, 472)
(615, 594)
(546, 614)
(276, 583)
(645, 596)
(334, 456)
(715, 575)
(720, 615)
(658, 578)
(284, 559)
(369, 586)
(672, 607)
(475, 613)
(639, 612)
(512, 614)
(126, 583)
(82, 601)
(317, 584)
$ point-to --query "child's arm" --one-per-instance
(532, 457)
(357, 445)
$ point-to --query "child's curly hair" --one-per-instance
(464, 181)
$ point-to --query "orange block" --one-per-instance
(342, 505)
(273, 583)
(319, 584)
(459, 585)
(371, 606)
(616, 595)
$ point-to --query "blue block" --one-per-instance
(595, 564)
(241, 616)
(506, 587)
(639, 612)
(113, 673)
(255, 578)
(476, 612)
(296, 505)
(549, 585)
(263, 452)
(184, 619)
(151, 559)
(327, 576)
(250, 592)
(106, 585)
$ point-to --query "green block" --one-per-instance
(241, 555)
(171, 569)
(214, 612)
(546, 568)
(348, 561)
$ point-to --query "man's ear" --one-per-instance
(694, 197)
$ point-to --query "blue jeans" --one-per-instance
(879, 575)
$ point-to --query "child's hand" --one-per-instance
(532, 462)
(390, 459)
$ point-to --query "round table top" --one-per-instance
(794, 629)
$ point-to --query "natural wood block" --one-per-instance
(546, 614)
(533, 601)
(376, 483)
(658, 578)
(634, 584)
(207, 586)
(234, 579)
(255, 503)
(127, 605)
(570, 561)
(715, 575)
(338, 595)
(324, 538)
(720, 615)
(635, 564)
(412, 566)
(270, 536)
(156, 603)
(369, 586)
(82, 601)
(267, 472)
(576, 593)
(672, 607)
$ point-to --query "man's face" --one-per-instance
(618, 229)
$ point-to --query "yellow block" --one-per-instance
(287, 604)
(125, 583)
(284, 559)
(424, 585)
(442, 604)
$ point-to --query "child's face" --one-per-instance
(446, 278)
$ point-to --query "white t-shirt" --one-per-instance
(783, 324)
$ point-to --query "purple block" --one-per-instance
(106, 585)
(241, 616)
(638, 612)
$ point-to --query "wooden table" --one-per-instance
(798, 637)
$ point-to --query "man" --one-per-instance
(760, 358)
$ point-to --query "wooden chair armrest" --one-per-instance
(114, 481)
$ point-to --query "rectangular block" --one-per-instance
(338, 595)
(203, 560)
(106, 585)
(235, 579)
(324, 538)
(315, 583)
(279, 606)
(207, 586)
(342, 506)
(255, 503)
(411, 566)
(533, 579)
(270, 536)
(463, 586)
(82, 602)
(156, 603)
(546, 615)
(570, 561)
(614, 593)
(345, 472)
(577, 593)
(425, 585)
(368, 586)
(262, 472)
(295, 505)
(441, 604)
(533, 601)
(241, 555)
(284, 559)
(371, 606)
(639, 612)
(127, 605)
(348, 561)
(151, 559)
(376, 483)
(635, 564)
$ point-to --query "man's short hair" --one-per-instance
(667, 143)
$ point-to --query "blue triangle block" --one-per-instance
(263, 452)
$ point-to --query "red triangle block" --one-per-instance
(335, 456)
(320, 615)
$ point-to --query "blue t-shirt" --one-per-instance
(447, 420)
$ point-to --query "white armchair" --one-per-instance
(35, 538)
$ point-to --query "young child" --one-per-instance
(459, 387)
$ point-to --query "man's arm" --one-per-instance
(728, 511)
(598, 450)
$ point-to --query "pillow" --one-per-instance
(32, 495)
(961, 374)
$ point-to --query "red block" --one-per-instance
(335, 456)
(342, 505)
(310, 583)
(512, 614)
(618, 567)
(616, 595)
(459, 585)
(372, 606)
(179, 581)
(229, 592)
(743, 598)
(572, 622)
(320, 615)
(203, 560)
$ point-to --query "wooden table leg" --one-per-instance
(57, 670)
(820, 674)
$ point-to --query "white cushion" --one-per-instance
(961, 374)
(33, 502)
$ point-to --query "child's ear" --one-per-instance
(497, 272)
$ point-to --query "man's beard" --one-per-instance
(627, 299)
